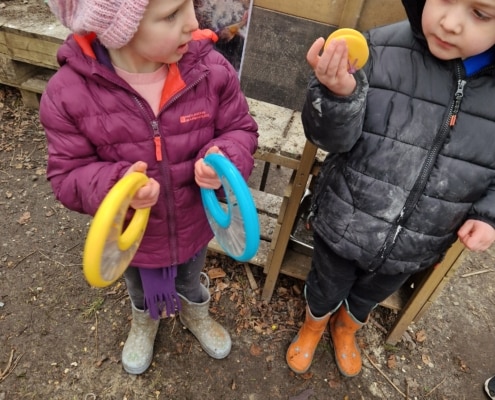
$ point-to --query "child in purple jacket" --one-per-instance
(140, 88)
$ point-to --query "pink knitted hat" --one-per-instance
(114, 21)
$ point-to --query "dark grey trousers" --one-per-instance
(333, 280)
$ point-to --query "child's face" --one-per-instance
(164, 31)
(459, 28)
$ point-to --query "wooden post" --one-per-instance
(288, 218)
(427, 291)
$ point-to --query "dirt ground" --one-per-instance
(62, 339)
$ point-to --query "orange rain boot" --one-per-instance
(343, 328)
(301, 350)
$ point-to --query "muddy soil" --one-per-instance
(62, 339)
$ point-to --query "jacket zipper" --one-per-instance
(157, 140)
(459, 94)
(422, 179)
(155, 127)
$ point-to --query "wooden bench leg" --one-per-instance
(287, 219)
(30, 99)
(426, 292)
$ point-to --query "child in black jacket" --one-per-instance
(411, 163)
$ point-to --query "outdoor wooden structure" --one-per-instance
(359, 14)
(28, 59)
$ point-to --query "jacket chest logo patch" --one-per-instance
(194, 116)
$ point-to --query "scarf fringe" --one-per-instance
(160, 296)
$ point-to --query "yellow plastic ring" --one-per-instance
(108, 249)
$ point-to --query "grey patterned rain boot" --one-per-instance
(214, 339)
(138, 348)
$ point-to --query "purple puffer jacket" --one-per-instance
(97, 126)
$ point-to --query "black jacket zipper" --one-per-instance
(422, 179)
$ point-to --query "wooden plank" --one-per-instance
(278, 227)
(396, 301)
(317, 10)
(295, 140)
(4, 49)
(29, 79)
(423, 293)
(30, 99)
(266, 203)
(441, 285)
(267, 226)
(296, 265)
(33, 41)
(380, 12)
(272, 122)
(267, 206)
(13, 73)
(44, 27)
(250, 276)
(275, 158)
(259, 258)
(32, 50)
(37, 82)
(351, 13)
(338, 13)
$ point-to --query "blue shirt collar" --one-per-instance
(475, 63)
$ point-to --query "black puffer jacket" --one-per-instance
(399, 181)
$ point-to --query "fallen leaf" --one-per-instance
(222, 286)
(258, 329)
(307, 375)
(24, 218)
(255, 350)
(420, 336)
(101, 360)
(463, 365)
(391, 362)
(179, 347)
(215, 273)
(334, 383)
